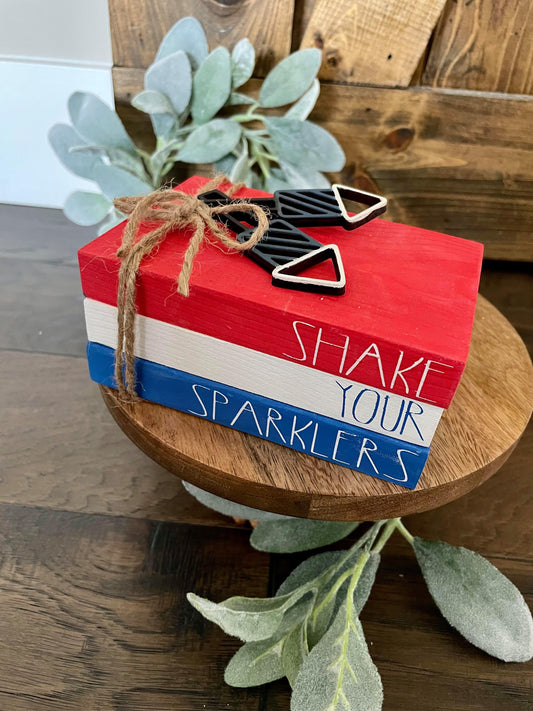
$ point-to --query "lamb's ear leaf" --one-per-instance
(229, 508)
(97, 123)
(188, 36)
(476, 599)
(85, 208)
(242, 62)
(289, 79)
(298, 534)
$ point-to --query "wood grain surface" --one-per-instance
(483, 45)
(476, 435)
(100, 544)
(449, 161)
(138, 26)
(376, 43)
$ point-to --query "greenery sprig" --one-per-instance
(310, 631)
(199, 114)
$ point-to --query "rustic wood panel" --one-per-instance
(441, 157)
(484, 45)
(138, 26)
(94, 614)
(378, 42)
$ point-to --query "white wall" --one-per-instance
(49, 49)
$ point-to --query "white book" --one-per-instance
(291, 383)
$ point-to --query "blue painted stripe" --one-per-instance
(322, 437)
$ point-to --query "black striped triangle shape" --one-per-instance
(290, 276)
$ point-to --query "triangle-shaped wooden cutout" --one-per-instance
(377, 204)
(289, 275)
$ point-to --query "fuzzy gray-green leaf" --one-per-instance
(298, 534)
(186, 35)
(115, 182)
(249, 619)
(255, 663)
(260, 662)
(229, 508)
(85, 208)
(242, 62)
(172, 77)
(476, 599)
(305, 144)
(326, 608)
(238, 99)
(294, 652)
(97, 123)
(211, 85)
(290, 78)
(210, 142)
(303, 178)
(63, 139)
(305, 104)
(339, 673)
(152, 102)
(310, 569)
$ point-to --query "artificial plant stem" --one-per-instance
(405, 533)
(389, 529)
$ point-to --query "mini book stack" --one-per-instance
(360, 379)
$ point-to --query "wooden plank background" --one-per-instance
(431, 101)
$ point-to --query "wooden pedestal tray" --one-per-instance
(475, 437)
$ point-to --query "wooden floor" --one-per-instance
(98, 545)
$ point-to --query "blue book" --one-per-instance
(338, 442)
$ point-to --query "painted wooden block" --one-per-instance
(403, 324)
(340, 399)
(321, 437)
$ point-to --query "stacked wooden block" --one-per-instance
(361, 380)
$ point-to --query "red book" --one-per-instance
(403, 324)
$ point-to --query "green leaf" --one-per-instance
(152, 102)
(224, 166)
(303, 178)
(115, 182)
(97, 123)
(115, 218)
(229, 508)
(290, 78)
(210, 142)
(298, 534)
(172, 77)
(237, 99)
(63, 139)
(256, 663)
(248, 618)
(294, 652)
(212, 85)
(476, 599)
(242, 63)
(86, 208)
(260, 662)
(310, 569)
(241, 167)
(186, 35)
(339, 674)
(328, 604)
(305, 104)
(117, 157)
(305, 144)
(276, 181)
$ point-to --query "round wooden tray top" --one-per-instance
(475, 436)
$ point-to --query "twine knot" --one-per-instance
(168, 210)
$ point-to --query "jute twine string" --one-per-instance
(168, 210)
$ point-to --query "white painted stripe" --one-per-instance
(265, 375)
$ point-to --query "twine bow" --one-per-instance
(170, 210)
